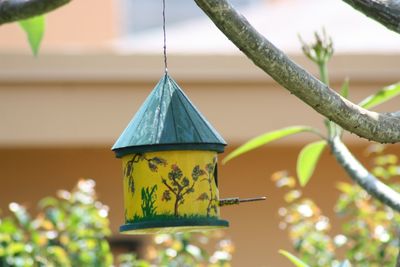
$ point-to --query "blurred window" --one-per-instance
(142, 15)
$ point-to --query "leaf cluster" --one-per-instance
(69, 230)
(321, 51)
(187, 250)
(368, 235)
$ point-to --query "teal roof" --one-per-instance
(167, 120)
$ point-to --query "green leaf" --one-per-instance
(15, 248)
(344, 90)
(48, 202)
(265, 139)
(381, 96)
(296, 261)
(345, 187)
(307, 160)
(34, 28)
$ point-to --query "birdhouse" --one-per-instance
(169, 157)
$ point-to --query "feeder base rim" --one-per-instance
(172, 226)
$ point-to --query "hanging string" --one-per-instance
(165, 40)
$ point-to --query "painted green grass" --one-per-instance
(165, 217)
(148, 201)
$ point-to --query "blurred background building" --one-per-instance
(61, 112)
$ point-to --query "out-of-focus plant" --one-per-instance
(131, 260)
(71, 230)
(184, 250)
(369, 233)
(187, 250)
(308, 228)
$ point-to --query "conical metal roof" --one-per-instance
(167, 120)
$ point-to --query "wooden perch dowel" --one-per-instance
(237, 201)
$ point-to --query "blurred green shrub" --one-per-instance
(71, 230)
(184, 250)
(370, 230)
(187, 250)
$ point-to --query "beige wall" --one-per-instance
(78, 25)
(89, 99)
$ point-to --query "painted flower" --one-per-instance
(175, 173)
(153, 167)
(197, 172)
(185, 182)
(159, 161)
(166, 196)
(203, 196)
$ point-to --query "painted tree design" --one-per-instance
(153, 164)
(128, 172)
(211, 197)
(179, 185)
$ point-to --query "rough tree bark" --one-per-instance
(362, 177)
(387, 12)
(14, 10)
(380, 127)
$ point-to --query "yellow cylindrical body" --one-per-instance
(170, 191)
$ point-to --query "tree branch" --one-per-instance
(189, 189)
(362, 177)
(168, 186)
(380, 127)
(398, 260)
(14, 10)
(386, 12)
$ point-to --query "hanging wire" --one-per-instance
(165, 40)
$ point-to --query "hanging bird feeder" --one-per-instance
(169, 157)
(169, 154)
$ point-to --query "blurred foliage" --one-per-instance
(369, 233)
(72, 230)
(187, 250)
(69, 230)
